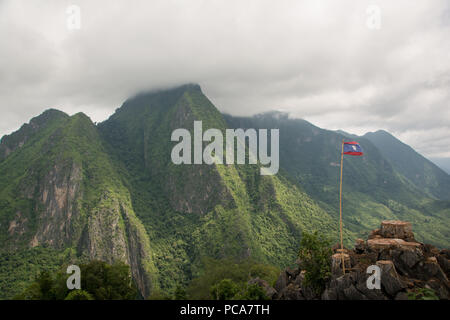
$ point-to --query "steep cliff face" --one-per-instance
(56, 207)
(408, 270)
(195, 211)
(74, 190)
(60, 191)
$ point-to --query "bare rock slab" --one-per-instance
(397, 229)
(384, 243)
(390, 280)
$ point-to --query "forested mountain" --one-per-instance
(443, 163)
(375, 187)
(112, 193)
(420, 171)
(60, 193)
(72, 191)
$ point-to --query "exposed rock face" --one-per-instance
(405, 265)
(193, 188)
(74, 198)
(397, 229)
(58, 194)
(383, 243)
(336, 262)
(390, 280)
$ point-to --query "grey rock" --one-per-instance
(397, 229)
(401, 296)
(438, 288)
(281, 282)
(329, 294)
(371, 294)
(431, 269)
(390, 281)
(351, 293)
(291, 292)
(309, 293)
(411, 257)
(444, 263)
(446, 253)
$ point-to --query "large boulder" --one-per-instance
(406, 266)
(282, 282)
(390, 280)
(445, 253)
(346, 287)
(405, 260)
(360, 246)
(387, 243)
(336, 263)
(431, 269)
(397, 229)
(439, 288)
(374, 234)
(291, 292)
(444, 263)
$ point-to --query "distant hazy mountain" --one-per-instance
(71, 191)
(420, 171)
(374, 189)
(443, 163)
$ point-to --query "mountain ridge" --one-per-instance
(373, 188)
(110, 191)
(412, 165)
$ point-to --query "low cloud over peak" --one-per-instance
(316, 60)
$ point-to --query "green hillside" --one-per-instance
(112, 193)
(373, 188)
(72, 192)
(443, 163)
(196, 211)
(420, 171)
(60, 192)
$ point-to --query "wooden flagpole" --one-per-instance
(340, 207)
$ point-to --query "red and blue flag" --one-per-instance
(352, 148)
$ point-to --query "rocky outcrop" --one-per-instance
(406, 267)
(139, 253)
(58, 193)
(71, 197)
(394, 229)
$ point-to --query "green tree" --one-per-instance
(239, 272)
(315, 254)
(224, 290)
(79, 295)
(45, 283)
(159, 295)
(99, 281)
(108, 282)
(180, 293)
(252, 292)
(33, 292)
(422, 294)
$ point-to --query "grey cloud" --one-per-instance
(313, 59)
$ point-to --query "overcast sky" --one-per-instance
(324, 61)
